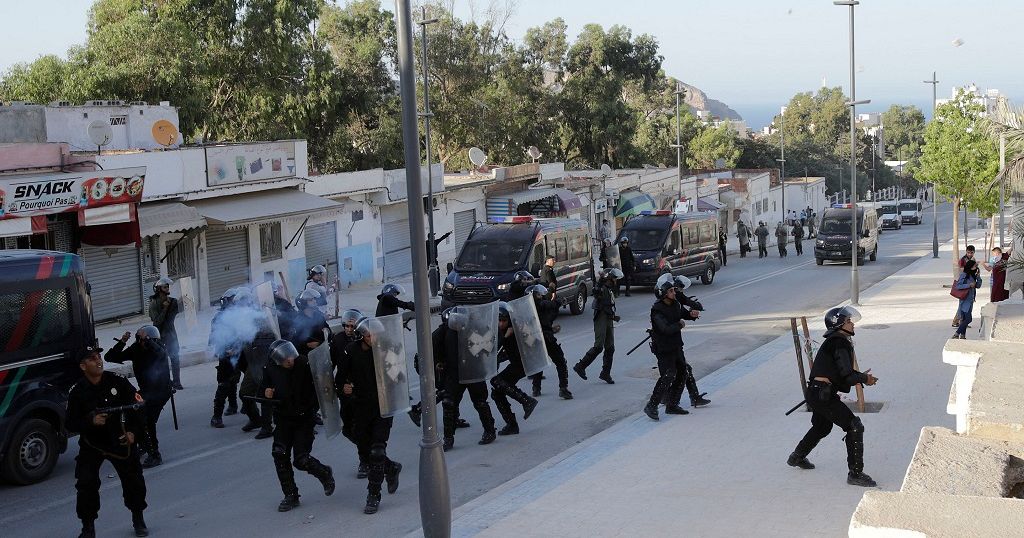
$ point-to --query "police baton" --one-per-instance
(174, 410)
(646, 338)
(258, 399)
(795, 407)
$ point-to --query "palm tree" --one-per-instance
(1007, 125)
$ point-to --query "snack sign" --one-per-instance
(27, 196)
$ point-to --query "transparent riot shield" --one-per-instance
(529, 336)
(477, 326)
(612, 256)
(323, 380)
(390, 366)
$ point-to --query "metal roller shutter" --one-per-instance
(322, 248)
(227, 260)
(464, 222)
(114, 280)
(397, 251)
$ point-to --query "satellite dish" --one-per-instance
(719, 163)
(477, 157)
(165, 133)
(533, 152)
(100, 133)
(606, 170)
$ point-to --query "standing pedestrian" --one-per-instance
(105, 436)
(162, 310)
(722, 238)
(997, 266)
(149, 362)
(762, 240)
(968, 255)
(833, 372)
(629, 263)
(798, 238)
(743, 234)
(603, 256)
(547, 274)
(969, 280)
(547, 311)
(604, 327)
(781, 235)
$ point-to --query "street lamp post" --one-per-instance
(435, 493)
(432, 270)
(782, 159)
(679, 145)
(852, 103)
(840, 168)
(935, 195)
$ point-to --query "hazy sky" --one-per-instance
(751, 54)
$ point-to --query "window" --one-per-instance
(691, 236)
(538, 256)
(357, 215)
(578, 246)
(706, 232)
(34, 318)
(561, 250)
(675, 241)
(181, 261)
(270, 242)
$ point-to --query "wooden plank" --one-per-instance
(799, 357)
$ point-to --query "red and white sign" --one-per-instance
(27, 196)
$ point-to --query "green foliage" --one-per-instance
(712, 144)
(904, 134)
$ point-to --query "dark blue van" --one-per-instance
(45, 322)
(494, 252)
(680, 243)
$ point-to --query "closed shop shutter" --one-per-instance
(397, 252)
(114, 280)
(322, 248)
(227, 260)
(464, 222)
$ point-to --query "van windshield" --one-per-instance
(836, 225)
(908, 207)
(645, 239)
(491, 256)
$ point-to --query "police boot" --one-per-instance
(855, 455)
(88, 530)
(139, 524)
(449, 416)
(606, 367)
(218, 411)
(799, 460)
(266, 423)
(674, 394)
(505, 410)
(363, 470)
(232, 404)
(528, 403)
(288, 502)
(372, 502)
(153, 459)
(663, 384)
(250, 410)
(697, 398)
(286, 477)
(536, 384)
(391, 471)
(486, 421)
(416, 414)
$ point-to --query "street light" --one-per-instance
(678, 145)
(433, 273)
(782, 149)
(852, 103)
(435, 492)
(841, 190)
(935, 195)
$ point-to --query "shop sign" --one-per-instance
(44, 194)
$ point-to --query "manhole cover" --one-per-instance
(873, 327)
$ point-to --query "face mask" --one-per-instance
(995, 259)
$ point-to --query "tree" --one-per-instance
(711, 144)
(904, 134)
(959, 158)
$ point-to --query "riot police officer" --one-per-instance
(547, 310)
(308, 323)
(604, 326)
(316, 282)
(691, 312)
(445, 342)
(106, 435)
(339, 344)
(162, 310)
(667, 321)
(503, 385)
(252, 361)
(288, 381)
(388, 301)
(358, 380)
(628, 263)
(833, 372)
(225, 343)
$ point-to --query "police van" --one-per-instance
(45, 322)
(834, 240)
(494, 252)
(680, 243)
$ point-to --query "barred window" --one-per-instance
(181, 262)
(270, 242)
(34, 318)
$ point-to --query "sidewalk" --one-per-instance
(721, 471)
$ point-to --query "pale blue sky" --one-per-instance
(751, 54)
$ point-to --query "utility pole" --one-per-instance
(679, 145)
(435, 492)
(432, 270)
(935, 195)
(782, 147)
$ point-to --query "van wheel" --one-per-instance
(819, 261)
(32, 453)
(708, 276)
(874, 254)
(579, 303)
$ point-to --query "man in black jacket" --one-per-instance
(547, 311)
(667, 320)
(388, 302)
(445, 343)
(339, 345)
(288, 381)
(628, 263)
(833, 372)
(105, 436)
(226, 343)
(357, 378)
(503, 385)
(604, 327)
(151, 367)
(162, 310)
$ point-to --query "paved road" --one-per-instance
(222, 483)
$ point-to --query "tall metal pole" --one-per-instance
(854, 235)
(935, 195)
(874, 164)
(782, 145)
(435, 494)
(1002, 189)
(679, 144)
(432, 270)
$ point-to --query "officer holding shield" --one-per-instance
(445, 340)
(547, 310)
(503, 385)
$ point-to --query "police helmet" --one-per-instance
(665, 282)
(522, 276)
(539, 291)
(456, 318)
(317, 270)
(504, 311)
(682, 282)
(235, 295)
(612, 273)
(393, 289)
(164, 282)
(282, 350)
(307, 299)
(836, 317)
(148, 332)
(624, 240)
(369, 327)
(607, 242)
(350, 317)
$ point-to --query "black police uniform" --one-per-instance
(388, 305)
(295, 407)
(834, 361)
(307, 329)
(371, 430)
(604, 332)
(256, 356)
(99, 443)
(339, 358)
(688, 307)
(445, 343)
(152, 370)
(226, 348)
(628, 266)
(667, 344)
(547, 311)
(503, 385)
(285, 313)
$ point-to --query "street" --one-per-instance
(222, 482)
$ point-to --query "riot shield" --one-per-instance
(477, 326)
(612, 257)
(270, 323)
(389, 364)
(529, 336)
(265, 294)
(257, 354)
(323, 380)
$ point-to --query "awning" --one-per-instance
(567, 200)
(633, 202)
(709, 204)
(161, 218)
(23, 226)
(253, 207)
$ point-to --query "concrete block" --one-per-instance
(952, 464)
(996, 403)
(934, 515)
(1008, 322)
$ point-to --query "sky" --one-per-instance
(752, 55)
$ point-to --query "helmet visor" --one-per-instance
(850, 313)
